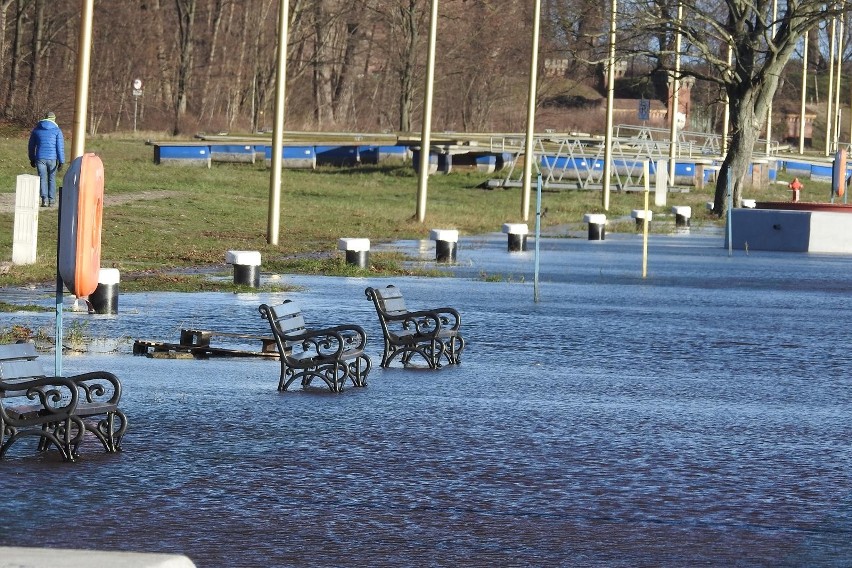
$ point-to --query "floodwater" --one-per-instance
(696, 417)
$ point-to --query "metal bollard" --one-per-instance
(639, 215)
(104, 299)
(517, 236)
(597, 226)
(357, 251)
(682, 215)
(246, 266)
(446, 244)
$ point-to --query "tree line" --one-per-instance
(358, 65)
(210, 64)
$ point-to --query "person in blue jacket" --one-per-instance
(47, 155)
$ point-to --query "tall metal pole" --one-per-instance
(610, 98)
(81, 102)
(829, 113)
(78, 146)
(675, 100)
(274, 214)
(769, 106)
(804, 95)
(426, 132)
(529, 154)
(837, 109)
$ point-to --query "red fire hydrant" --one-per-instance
(795, 186)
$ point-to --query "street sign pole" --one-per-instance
(137, 92)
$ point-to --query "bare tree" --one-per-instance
(4, 11)
(761, 48)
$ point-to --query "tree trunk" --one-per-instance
(215, 27)
(747, 116)
(408, 60)
(4, 8)
(186, 22)
(36, 48)
(163, 60)
(15, 67)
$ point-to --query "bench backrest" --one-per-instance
(18, 363)
(287, 318)
(390, 300)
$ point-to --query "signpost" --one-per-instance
(644, 113)
(137, 92)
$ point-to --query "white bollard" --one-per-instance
(246, 266)
(445, 244)
(517, 236)
(25, 232)
(661, 186)
(597, 226)
(104, 299)
(357, 251)
(682, 215)
(639, 215)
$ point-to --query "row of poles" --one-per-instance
(425, 140)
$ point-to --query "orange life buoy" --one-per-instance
(81, 213)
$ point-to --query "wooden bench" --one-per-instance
(90, 403)
(332, 355)
(433, 334)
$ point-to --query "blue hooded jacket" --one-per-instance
(47, 142)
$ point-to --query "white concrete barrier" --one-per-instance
(25, 232)
(20, 557)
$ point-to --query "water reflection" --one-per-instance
(698, 417)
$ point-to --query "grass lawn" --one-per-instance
(159, 221)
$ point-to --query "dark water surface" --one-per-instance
(698, 417)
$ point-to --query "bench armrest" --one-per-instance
(354, 336)
(449, 317)
(56, 399)
(423, 322)
(323, 342)
(98, 386)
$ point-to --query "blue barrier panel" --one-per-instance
(294, 157)
(480, 161)
(555, 162)
(382, 154)
(192, 155)
(433, 161)
(337, 155)
(504, 160)
(797, 168)
(240, 153)
(685, 170)
(486, 163)
(821, 173)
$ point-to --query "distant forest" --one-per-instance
(352, 65)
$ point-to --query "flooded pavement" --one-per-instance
(699, 416)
